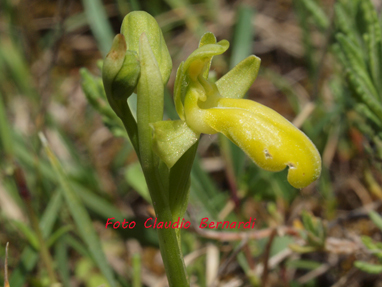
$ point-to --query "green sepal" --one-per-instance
(236, 82)
(171, 139)
(127, 78)
(150, 99)
(138, 22)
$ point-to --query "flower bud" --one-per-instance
(127, 78)
(138, 22)
(121, 70)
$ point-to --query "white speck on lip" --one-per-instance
(291, 166)
(267, 154)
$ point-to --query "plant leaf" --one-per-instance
(376, 218)
(368, 267)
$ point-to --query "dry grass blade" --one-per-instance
(314, 273)
(267, 253)
(6, 283)
(212, 264)
(236, 236)
(305, 113)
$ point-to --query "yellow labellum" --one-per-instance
(270, 140)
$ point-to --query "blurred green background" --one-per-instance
(321, 69)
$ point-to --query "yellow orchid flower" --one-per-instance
(270, 140)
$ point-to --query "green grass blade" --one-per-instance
(58, 235)
(92, 201)
(136, 179)
(243, 39)
(137, 282)
(76, 245)
(5, 134)
(99, 24)
(61, 252)
(29, 256)
(98, 204)
(81, 217)
(191, 17)
(14, 60)
(28, 233)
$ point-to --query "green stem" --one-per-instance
(130, 125)
(150, 93)
(168, 243)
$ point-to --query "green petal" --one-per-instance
(236, 82)
(207, 38)
(199, 60)
(172, 139)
